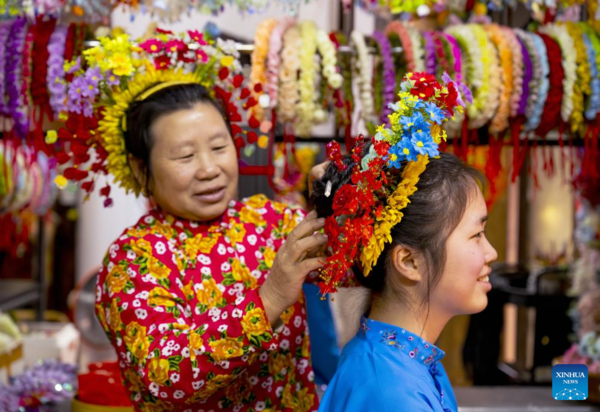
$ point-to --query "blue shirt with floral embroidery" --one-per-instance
(386, 368)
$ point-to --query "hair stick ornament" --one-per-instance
(366, 209)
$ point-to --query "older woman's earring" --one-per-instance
(328, 189)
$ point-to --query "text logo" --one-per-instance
(570, 382)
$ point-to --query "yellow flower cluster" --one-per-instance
(392, 214)
(113, 54)
(582, 85)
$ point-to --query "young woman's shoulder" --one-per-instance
(368, 379)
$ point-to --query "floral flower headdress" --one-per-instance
(366, 209)
(119, 72)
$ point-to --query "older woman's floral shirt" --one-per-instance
(179, 301)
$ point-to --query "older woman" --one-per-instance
(202, 297)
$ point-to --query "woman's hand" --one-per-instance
(291, 266)
(316, 173)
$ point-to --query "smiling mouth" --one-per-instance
(211, 196)
(485, 278)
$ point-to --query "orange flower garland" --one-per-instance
(259, 57)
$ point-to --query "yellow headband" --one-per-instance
(149, 92)
(159, 87)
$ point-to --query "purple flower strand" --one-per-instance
(430, 60)
(527, 75)
(13, 79)
(56, 70)
(389, 75)
(4, 32)
(457, 57)
(49, 381)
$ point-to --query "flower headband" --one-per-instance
(118, 73)
(366, 210)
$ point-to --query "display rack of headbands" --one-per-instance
(32, 93)
(510, 72)
(93, 11)
(540, 9)
(174, 10)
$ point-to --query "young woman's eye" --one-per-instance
(480, 234)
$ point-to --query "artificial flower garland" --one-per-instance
(593, 47)
(290, 64)
(5, 28)
(583, 80)
(56, 73)
(364, 77)
(535, 116)
(306, 106)
(478, 57)
(327, 50)
(430, 57)
(366, 210)
(15, 45)
(527, 77)
(551, 113)
(401, 31)
(499, 122)
(416, 41)
(569, 64)
(44, 27)
(518, 69)
(536, 70)
(388, 75)
(273, 59)
(259, 56)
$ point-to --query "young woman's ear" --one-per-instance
(407, 263)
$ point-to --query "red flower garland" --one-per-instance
(44, 27)
(358, 203)
(551, 115)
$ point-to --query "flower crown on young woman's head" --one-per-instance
(366, 209)
(117, 73)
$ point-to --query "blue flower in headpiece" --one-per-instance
(435, 113)
(400, 152)
(414, 122)
(395, 157)
(423, 144)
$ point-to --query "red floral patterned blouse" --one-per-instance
(179, 301)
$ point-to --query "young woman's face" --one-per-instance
(194, 166)
(464, 284)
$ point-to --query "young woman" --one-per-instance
(435, 267)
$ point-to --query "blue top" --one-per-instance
(385, 368)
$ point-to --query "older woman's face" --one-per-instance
(193, 163)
